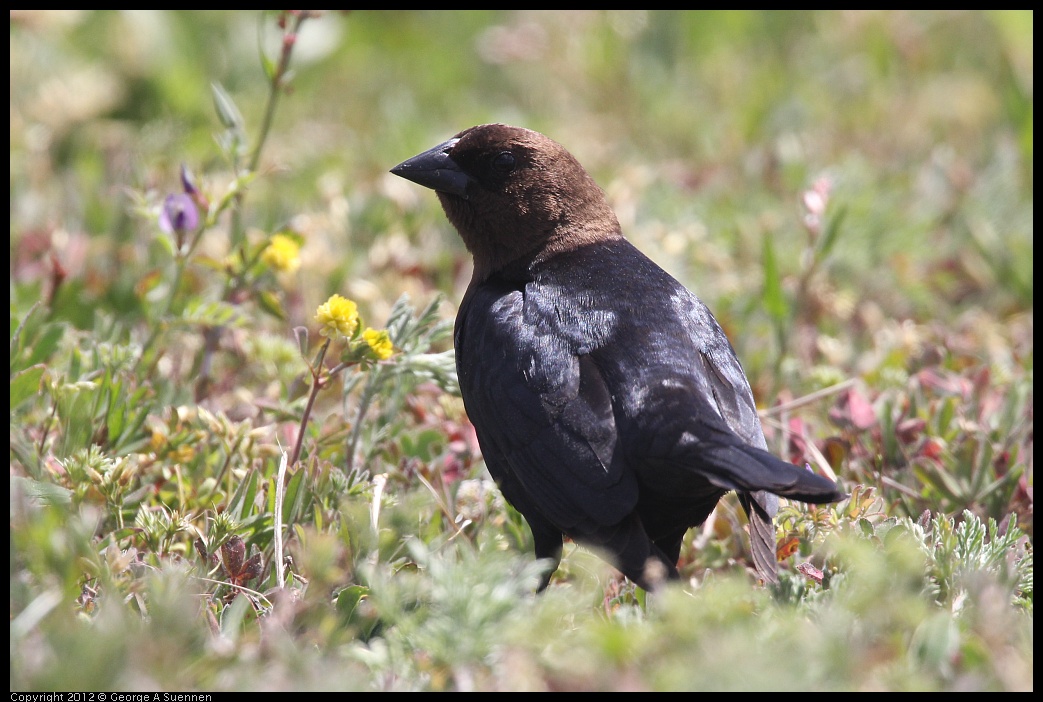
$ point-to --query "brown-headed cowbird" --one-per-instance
(608, 403)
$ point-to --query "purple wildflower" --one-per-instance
(179, 214)
(187, 182)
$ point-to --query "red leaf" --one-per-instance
(854, 410)
(948, 383)
(810, 572)
(232, 553)
(932, 449)
(787, 547)
(835, 450)
(909, 430)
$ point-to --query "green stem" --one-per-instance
(276, 87)
(316, 385)
(237, 229)
(368, 393)
(180, 261)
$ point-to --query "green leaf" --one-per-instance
(774, 297)
(16, 329)
(226, 109)
(271, 304)
(943, 418)
(41, 492)
(269, 67)
(116, 418)
(294, 497)
(242, 502)
(45, 346)
(26, 384)
(236, 616)
(829, 238)
(866, 527)
(132, 410)
(349, 598)
(301, 335)
(212, 314)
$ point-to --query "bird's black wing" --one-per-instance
(542, 411)
(732, 396)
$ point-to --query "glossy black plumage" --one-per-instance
(608, 403)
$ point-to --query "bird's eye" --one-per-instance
(504, 162)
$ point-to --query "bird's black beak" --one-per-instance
(434, 169)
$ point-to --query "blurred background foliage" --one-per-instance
(849, 191)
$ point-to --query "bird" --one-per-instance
(608, 403)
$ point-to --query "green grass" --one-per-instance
(850, 192)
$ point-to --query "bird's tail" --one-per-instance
(760, 508)
(749, 469)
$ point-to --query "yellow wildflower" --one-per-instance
(379, 343)
(283, 253)
(159, 440)
(183, 454)
(338, 316)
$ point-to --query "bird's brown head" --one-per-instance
(513, 194)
